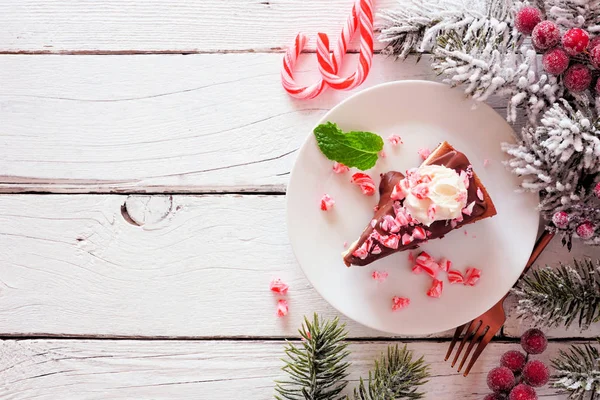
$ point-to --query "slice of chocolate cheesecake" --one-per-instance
(428, 202)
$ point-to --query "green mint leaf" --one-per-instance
(353, 149)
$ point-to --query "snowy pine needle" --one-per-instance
(577, 372)
(394, 377)
(565, 295)
(316, 368)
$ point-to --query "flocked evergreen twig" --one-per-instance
(316, 368)
(577, 372)
(564, 295)
(394, 377)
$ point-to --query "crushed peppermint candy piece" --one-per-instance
(436, 289)
(390, 224)
(479, 194)
(282, 308)
(397, 192)
(427, 264)
(373, 223)
(416, 269)
(486, 162)
(406, 239)
(327, 202)
(453, 223)
(376, 208)
(445, 264)
(424, 153)
(419, 233)
(340, 168)
(363, 251)
(278, 286)
(376, 250)
(455, 276)
(398, 303)
(472, 276)
(379, 276)
(395, 140)
(411, 257)
(367, 186)
(345, 244)
(465, 177)
(431, 212)
(382, 154)
(468, 210)
(466, 233)
(460, 218)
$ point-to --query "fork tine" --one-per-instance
(481, 330)
(484, 342)
(457, 333)
(464, 340)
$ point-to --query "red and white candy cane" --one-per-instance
(329, 65)
(362, 14)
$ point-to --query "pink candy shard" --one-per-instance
(479, 194)
(278, 286)
(486, 162)
(455, 276)
(428, 264)
(398, 303)
(345, 244)
(365, 182)
(282, 308)
(376, 250)
(472, 276)
(416, 269)
(468, 210)
(424, 153)
(397, 193)
(436, 289)
(445, 264)
(327, 202)
(419, 233)
(363, 251)
(382, 154)
(411, 257)
(340, 168)
(379, 276)
(406, 239)
(395, 140)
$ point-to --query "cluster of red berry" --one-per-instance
(546, 37)
(516, 377)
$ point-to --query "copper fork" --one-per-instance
(483, 328)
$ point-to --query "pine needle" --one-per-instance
(564, 295)
(577, 372)
(394, 378)
(317, 368)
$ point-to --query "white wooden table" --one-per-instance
(146, 147)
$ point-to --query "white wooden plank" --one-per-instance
(166, 123)
(181, 266)
(81, 369)
(117, 26)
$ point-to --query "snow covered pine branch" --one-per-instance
(540, 56)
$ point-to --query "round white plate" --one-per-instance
(423, 114)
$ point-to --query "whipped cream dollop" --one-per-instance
(435, 193)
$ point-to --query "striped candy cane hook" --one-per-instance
(332, 63)
(362, 13)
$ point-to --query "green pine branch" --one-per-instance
(395, 377)
(564, 295)
(317, 368)
(577, 372)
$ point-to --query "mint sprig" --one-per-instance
(353, 149)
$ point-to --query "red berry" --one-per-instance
(585, 230)
(594, 42)
(536, 373)
(560, 219)
(495, 396)
(575, 41)
(595, 56)
(522, 392)
(534, 341)
(501, 379)
(597, 187)
(526, 19)
(513, 360)
(545, 35)
(578, 78)
(555, 61)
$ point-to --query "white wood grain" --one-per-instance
(181, 266)
(160, 123)
(118, 26)
(100, 369)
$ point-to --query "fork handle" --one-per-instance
(540, 245)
